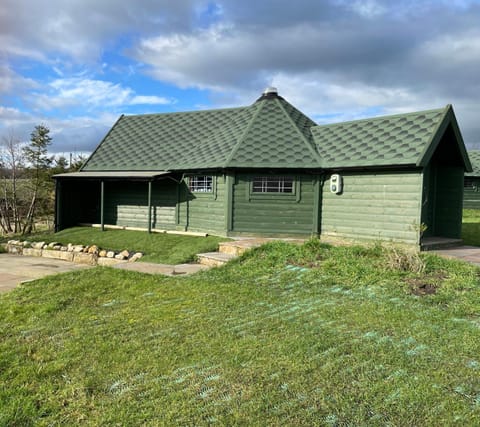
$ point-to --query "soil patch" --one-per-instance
(427, 284)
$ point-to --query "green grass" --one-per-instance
(471, 227)
(287, 335)
(160, 248)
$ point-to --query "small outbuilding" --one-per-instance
(471, 198)
(269, 170)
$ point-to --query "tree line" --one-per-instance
(28, 190)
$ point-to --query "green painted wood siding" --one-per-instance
(126, 204)
(471, 198)
(283, 214)
(382, 206)
(471, 195)
(203, 212)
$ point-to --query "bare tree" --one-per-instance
(12, 162)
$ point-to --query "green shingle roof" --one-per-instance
(390, 140)
(474, 156)
(269, 133)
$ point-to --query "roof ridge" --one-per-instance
(247, 128)
(302, 136)
(387, 116)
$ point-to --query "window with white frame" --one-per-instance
(272, 184)
(201, 184)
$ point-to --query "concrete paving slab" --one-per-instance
(469, 254)
(15, 269)
(165, 269)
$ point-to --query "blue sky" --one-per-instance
(76, 66)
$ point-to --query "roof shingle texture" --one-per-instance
(474, 156)
(389, 140)
(270, 133)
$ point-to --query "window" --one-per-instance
(272, 184)
(201, 184)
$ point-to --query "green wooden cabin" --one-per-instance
(269, 170)
(471, 198)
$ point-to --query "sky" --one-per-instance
(77, 65)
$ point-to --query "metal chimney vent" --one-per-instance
(270, 91)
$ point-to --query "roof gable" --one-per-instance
(404, 139)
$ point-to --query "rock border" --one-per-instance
(80, 254)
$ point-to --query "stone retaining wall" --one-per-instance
(90, 255)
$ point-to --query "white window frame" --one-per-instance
(201, 184)
(273, 184)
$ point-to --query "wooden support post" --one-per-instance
(58, 215)
(102, 205)
(230, 178)
(149, 206)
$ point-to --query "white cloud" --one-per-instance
(364, 8)
(151, 100)
(463, 47)
(91, 94)
(79, 135)
(12, 82)
(81, 28)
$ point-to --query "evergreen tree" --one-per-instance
(36, 156)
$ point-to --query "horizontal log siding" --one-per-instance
(381, 206)
(471, 195)
(206, 211)
(281, 214)
(126, 204)
(471, 198)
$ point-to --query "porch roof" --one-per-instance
(112, 174)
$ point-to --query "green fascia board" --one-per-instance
(447, 119)
(395, 140)
(474, 156)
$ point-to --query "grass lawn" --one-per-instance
(471, 227)
(287, 335)
(161, 248)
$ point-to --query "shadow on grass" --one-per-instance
(471, 233)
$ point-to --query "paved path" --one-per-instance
(15, 269)
(465, 253)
